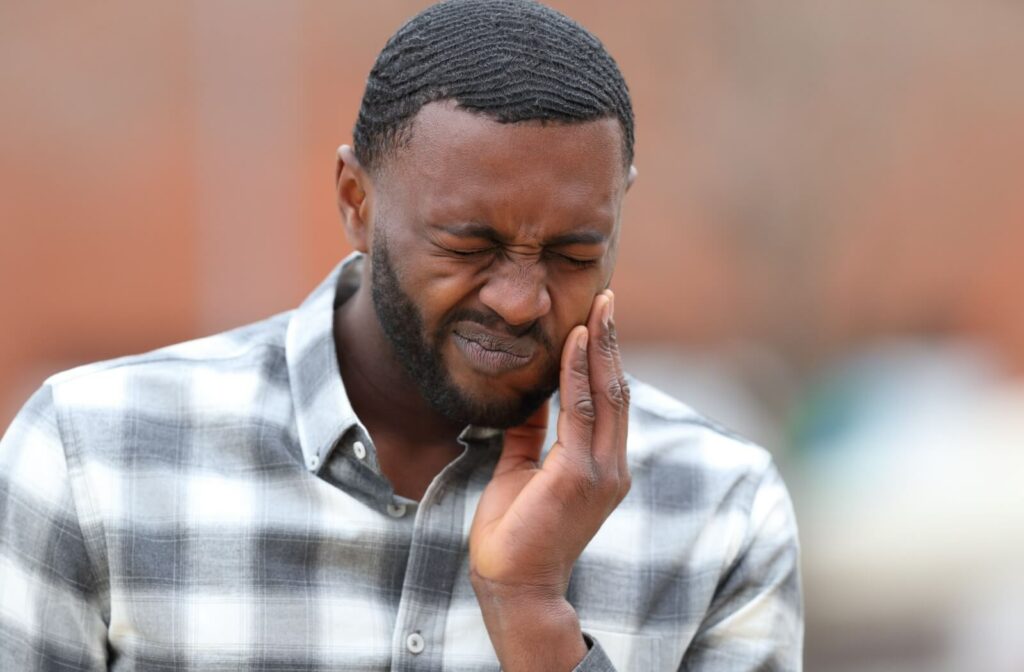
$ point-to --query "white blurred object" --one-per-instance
(911, 504)
(987, 636)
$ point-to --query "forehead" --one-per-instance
(457, 161)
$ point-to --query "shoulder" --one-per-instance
(664, 430)
(112, 383)
(162, 402)
(695, 475)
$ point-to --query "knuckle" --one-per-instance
(613, 335)
(609, 340)
(618, 391)
(625, 484)
(607, 344)
(616, 491)
(584, 408)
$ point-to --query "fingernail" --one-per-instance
(606, 314)
(581, 342)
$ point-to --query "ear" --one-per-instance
(631, 178)
(354, 189)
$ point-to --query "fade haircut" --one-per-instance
(510, 60)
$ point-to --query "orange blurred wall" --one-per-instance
(811, 175)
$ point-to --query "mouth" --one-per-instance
(492, 353)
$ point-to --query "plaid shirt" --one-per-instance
(217, 505)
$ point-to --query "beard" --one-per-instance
(423, 360)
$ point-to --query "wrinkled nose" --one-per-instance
(517, 291)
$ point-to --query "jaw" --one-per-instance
(505, 390)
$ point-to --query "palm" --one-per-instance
(533, 520)
(519, 516)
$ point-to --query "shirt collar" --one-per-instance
(322, 408)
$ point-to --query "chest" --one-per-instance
(289, 571)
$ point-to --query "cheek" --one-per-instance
(438, 290)
(434, 285)
(571, 305)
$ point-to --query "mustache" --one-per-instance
(494, 322)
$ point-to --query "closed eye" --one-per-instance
(470, 253)
(577, 263)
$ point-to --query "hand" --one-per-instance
(533, 521)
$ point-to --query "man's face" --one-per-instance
(489, 242)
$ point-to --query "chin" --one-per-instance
(504, 415)
(490, 403)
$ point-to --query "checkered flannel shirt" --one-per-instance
(217, 505)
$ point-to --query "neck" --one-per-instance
(381, 391)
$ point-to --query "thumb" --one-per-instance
(524, 443)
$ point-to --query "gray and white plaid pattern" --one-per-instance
(217, 505)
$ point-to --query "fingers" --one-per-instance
(576, 411)
(608, 385)
(524, 443)
(594, 393)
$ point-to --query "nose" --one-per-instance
(517, 290)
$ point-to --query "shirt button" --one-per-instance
(397, 511)
(359, 449)
(415, 643)
(314, 462)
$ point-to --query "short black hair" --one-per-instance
(511, 60)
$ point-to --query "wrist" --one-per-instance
(531, 628)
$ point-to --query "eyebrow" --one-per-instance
(486, 232)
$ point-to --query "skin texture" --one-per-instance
(496, 243)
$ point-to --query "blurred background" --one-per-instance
(824, 250)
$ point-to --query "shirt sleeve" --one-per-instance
(50, 604)
(755, 621)
(596, 659)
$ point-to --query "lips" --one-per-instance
(490, 352)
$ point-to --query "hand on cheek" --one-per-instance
(534, 520)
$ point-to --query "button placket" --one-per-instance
(433, 568)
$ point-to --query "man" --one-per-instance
(378, 480)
